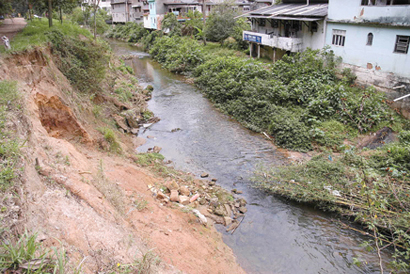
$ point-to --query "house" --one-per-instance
(105, 5)
(124, 11)
(158, 9)
(373, 37)
(284, 28)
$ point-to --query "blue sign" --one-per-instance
(252, 38)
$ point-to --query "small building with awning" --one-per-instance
(285, 28)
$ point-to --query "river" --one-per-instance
(276, 236)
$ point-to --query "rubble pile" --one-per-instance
(208, 201)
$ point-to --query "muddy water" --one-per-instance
(276, 236)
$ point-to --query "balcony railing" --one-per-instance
(284, 43)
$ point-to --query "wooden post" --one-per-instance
(250, 50)
(274, 55)
(259, 51)
(50, 14)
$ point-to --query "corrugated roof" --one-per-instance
(291, 10)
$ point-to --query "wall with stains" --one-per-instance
(353, 11)
(380, 56)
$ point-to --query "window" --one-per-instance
(369, 39)
(274, 23)
(384, 2)
(262, 22)
(313, 26)
(339, 37)
(402, 44)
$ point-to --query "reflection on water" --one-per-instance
(276, 236)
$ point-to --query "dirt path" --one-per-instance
(11, 27)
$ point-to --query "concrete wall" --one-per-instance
(352, 10)
(118, 13)
(379, 56)
(314, 40)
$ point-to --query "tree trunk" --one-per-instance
(204, 16)
(95, 23)
(61, 15)
(50, 13)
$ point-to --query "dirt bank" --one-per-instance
(96, 204)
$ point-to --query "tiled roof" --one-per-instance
(291, 10)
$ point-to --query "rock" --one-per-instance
(131, 117)
(172, 185)
(214, 202)
(176, 129)
(174, 196)
(184, 200)
(232, 227)
(227, 221)
(211, 183)
(135, 131)
(242, 202)
(150, 88)
(239, 192)
(213, 179)
(193, 198)
(184, 190)
(150, 137)
(237, 205)
(219, 211)
(156, 149)
(204, 175)
(378, 139)
(202, 201)
(228, 210)
(243, 209)
(201, 217)
(120, 122)
(160, 195)
(234, 190)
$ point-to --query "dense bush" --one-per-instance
(82, 61)
(291, 99)
(177, 54)
(130, 32)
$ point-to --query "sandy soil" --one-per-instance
(76, 196)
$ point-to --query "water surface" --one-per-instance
(276, 236)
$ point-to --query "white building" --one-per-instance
(105, 5)
(288, 27)
(124, 11)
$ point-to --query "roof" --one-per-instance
(290, 11)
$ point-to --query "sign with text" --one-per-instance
(252, 38)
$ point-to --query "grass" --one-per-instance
(34, 34)
(26, 255)
(147, 159)
(110, 190)
(111, 139)
(140, 203)
(142, 265)
(9, 144)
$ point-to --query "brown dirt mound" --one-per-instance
(59, 120)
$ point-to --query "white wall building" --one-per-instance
(284, 28)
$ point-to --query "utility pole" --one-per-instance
(204, 18)
(50, 13)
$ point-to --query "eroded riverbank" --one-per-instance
(276, 236)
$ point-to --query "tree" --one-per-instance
(171, 25)
(5, 6)
(193, 24)
(221, 22)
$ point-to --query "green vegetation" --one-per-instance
(111, 138)
(142, 265)
(34, 34)
(146, 159)
(9, 144)
(26, 255)
(372, 187)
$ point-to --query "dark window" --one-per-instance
(339, 37)
(262, 22)
(384, 2)
(313, 26)
(369, 39)
(274, 23)
(402, 44)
